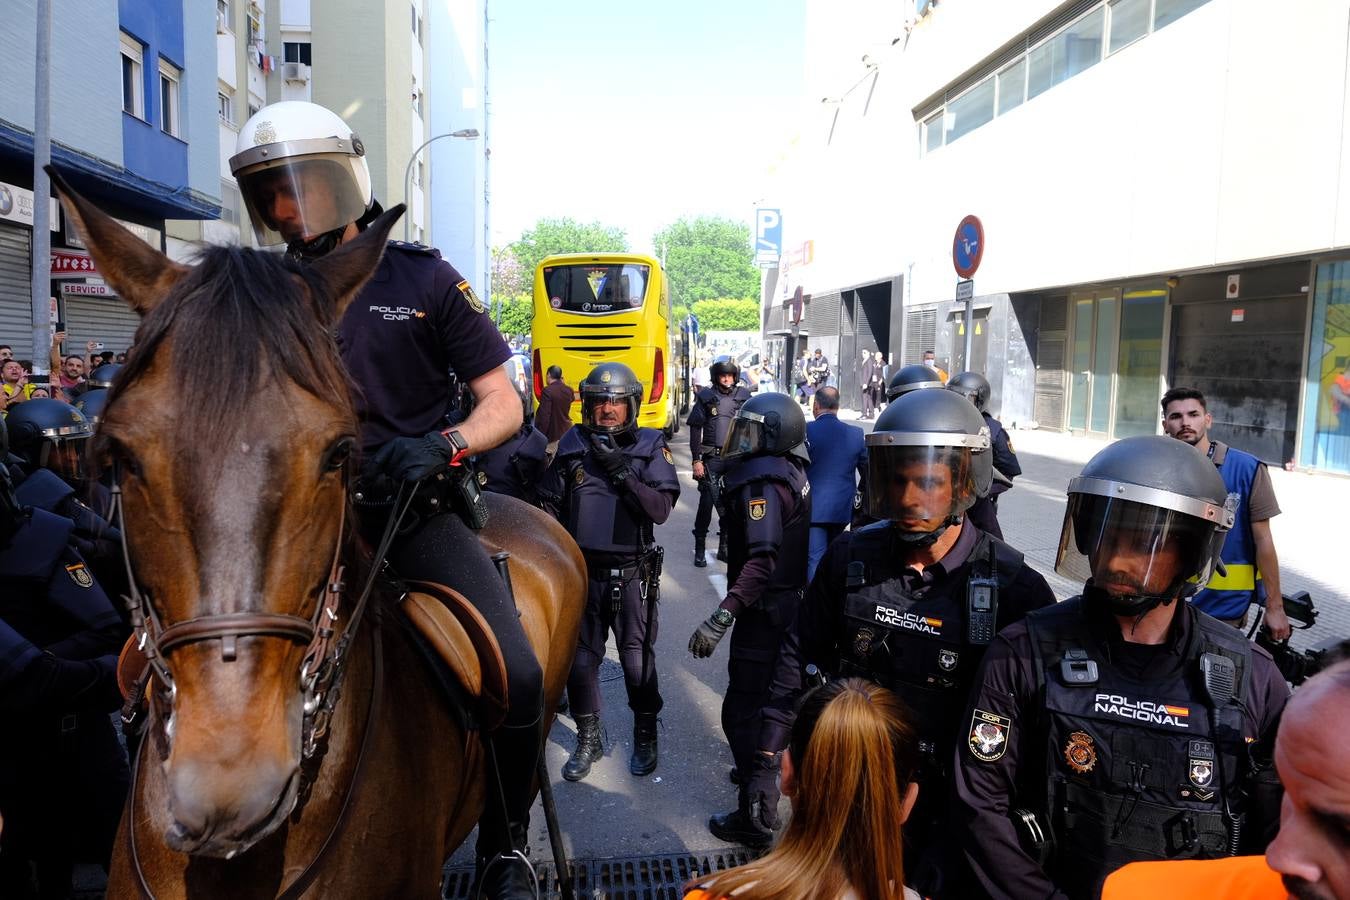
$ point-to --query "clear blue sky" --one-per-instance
(636, 113)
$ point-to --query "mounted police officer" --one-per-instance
(63, 775)
(610, 483)
(715, 405)
(305, 182)
(913, 600)
(913, 377)
(975, 388)
(1122, 724)
(768, 520)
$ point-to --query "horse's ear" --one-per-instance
(138, 272)
(348, 267)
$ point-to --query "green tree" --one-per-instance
(707, 258)
(727, 315)
(549, 236)
(514, 314)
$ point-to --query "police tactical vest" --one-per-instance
(598, 518)
(718, 411)
(515, 467)
(917, 647)
(744, 483)
(1133, 768)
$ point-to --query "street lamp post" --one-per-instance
(466, 133)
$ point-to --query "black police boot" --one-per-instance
(503, 870)
(589, 748)
(721, 546)
(751, 823)
(643, 760)
(700, 548)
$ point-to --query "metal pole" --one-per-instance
(970, 331)
(42, 156)
(469, 133)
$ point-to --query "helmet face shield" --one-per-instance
(609, 412)
(297, 199)
(1131, 549)
(745, 437)
(920, 488)
(65, 458)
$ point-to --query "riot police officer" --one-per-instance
(715, 405)
(63, 776)
(913, 600)
(1122, 724)
(610, 483)
(975, 388)
(303, 176)
(912, 378)
(768, 520)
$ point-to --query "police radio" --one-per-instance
(981, 610)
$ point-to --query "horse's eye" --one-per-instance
(123, 456)
(337, 455)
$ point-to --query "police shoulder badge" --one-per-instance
(757, 508)
(80, 575)
(482, 478)
(1080, 753)
(580, 476)
(470, 297)
(947, 659)
(989, 735)
(665, 452)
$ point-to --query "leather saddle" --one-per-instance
(448, 623)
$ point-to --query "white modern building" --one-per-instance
(1161, 189)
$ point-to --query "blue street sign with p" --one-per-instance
(768, 236)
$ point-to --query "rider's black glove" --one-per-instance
(413, 459)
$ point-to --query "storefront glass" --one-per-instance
(1140, 362)
(1326, 410)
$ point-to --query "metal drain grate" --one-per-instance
(622, 878)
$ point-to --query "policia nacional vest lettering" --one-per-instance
(919, 648)
(1134, 771)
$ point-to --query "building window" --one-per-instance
(297, 51)
(223, 17)
(229, 203)
(1165, 12)
(253, 109)
(133, 82)
(416, 25)
(932, 132)
(971, 110)
(1129, 22)
(169, 78)
(225, 107)
(1012, 86)
(1075, 49)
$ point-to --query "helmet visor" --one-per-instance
(299, 199)
(745, 437)
(920, 488)
(1130, 548)
(608, 412)
(65, 458)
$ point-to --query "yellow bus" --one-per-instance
(591, 308)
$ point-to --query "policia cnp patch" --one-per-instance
(80, 575)
(470, 297)
(989, 735)
(665, 452)
(757, 508)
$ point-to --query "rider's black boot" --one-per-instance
(504, 872)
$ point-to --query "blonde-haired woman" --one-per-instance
(848, 771)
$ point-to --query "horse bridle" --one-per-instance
(324, 661)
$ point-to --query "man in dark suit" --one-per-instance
(554, 416)
(837, 455)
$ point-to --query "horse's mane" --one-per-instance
(240, 319)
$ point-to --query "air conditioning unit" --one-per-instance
(222, 23)
(295, 71)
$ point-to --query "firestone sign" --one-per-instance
(72, 264)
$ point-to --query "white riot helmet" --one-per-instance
(303, 176)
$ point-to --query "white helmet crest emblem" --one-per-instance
(264, 134)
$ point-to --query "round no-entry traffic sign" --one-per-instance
(968, 246)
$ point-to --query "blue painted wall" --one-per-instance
(146, 149)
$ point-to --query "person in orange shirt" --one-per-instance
(1310, 857)
(848, 770)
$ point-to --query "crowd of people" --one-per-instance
(71, 374)
(940, 725)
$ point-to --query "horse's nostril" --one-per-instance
(178, 837)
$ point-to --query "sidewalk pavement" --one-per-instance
(1306, 537)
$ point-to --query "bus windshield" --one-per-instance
(596, 287)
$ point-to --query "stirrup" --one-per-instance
(510, 857)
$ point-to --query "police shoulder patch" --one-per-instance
(580, 476)
(665, 452)
(757, 507)
(482, 478)
(989, 735)
(470, 297)
(80, 575)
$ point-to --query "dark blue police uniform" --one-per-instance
(515, 467)
(63, 774)
(708, 423)
(984, 512)
(613, 525)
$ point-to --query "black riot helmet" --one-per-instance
(91, 403)
(973, 386)
(928, 461)
(610, 382)
(1145, 523)
(50, 434)
(102, 376)
(912, 378)
(767, 425)
(724, 365)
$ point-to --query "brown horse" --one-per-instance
(229, 433)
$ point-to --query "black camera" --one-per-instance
(1297, 666)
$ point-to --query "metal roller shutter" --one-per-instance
(920, 333)
(822, 315)
(16, 308)
(106, 319)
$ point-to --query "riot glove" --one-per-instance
(613, 460)
(413, 459)
(709, 633)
